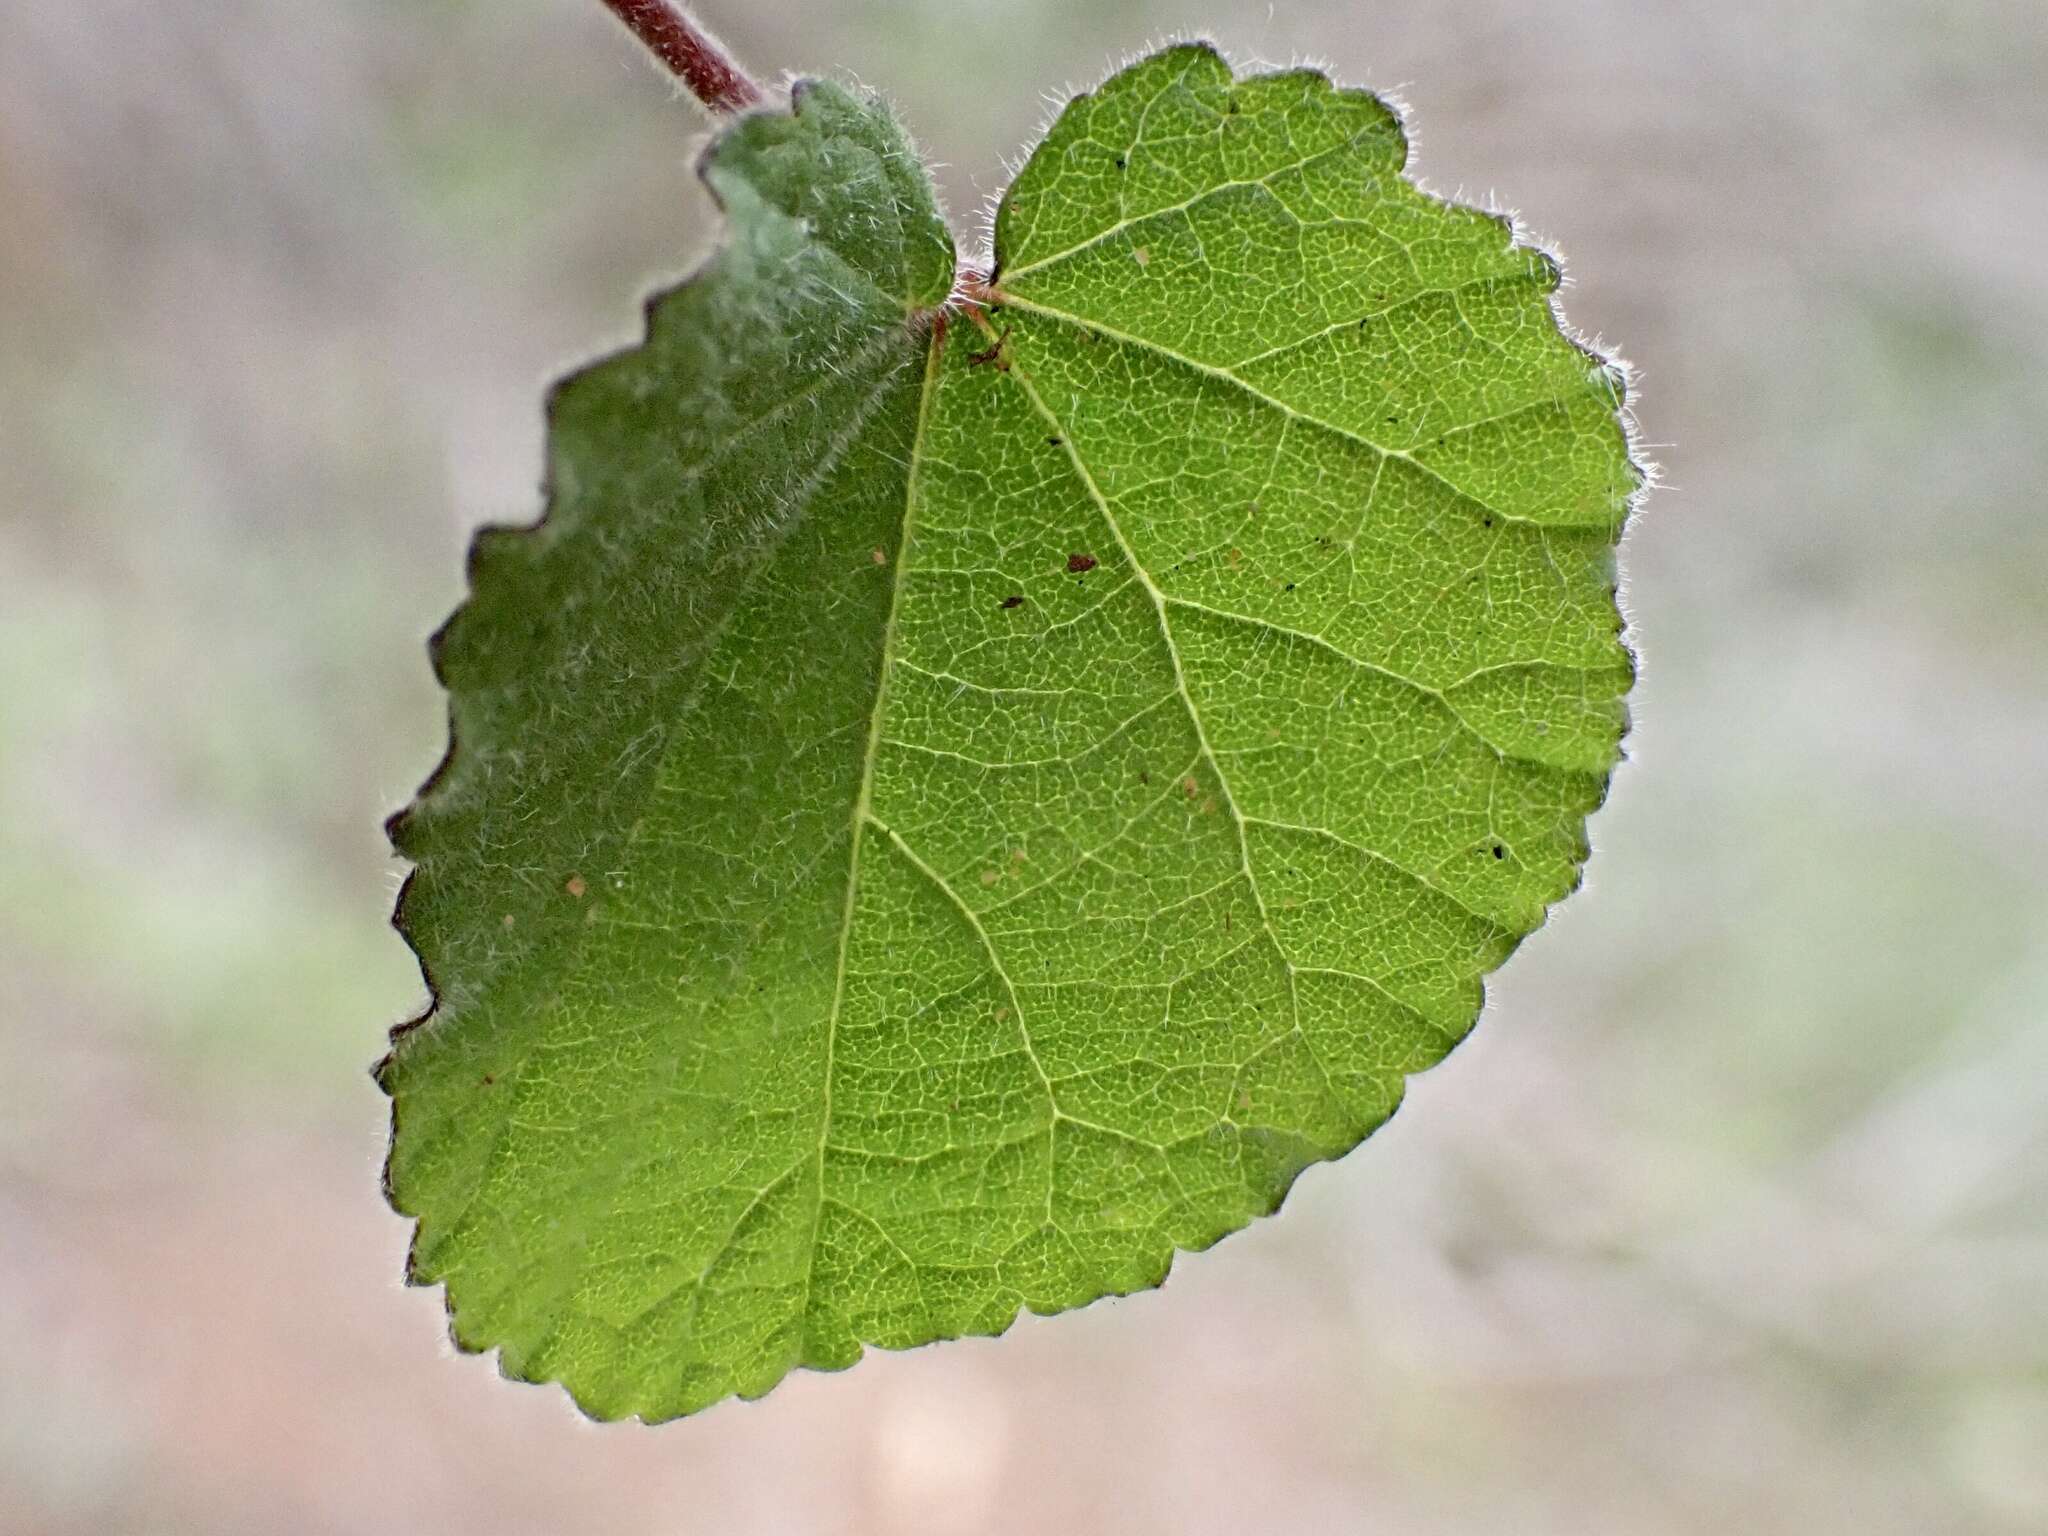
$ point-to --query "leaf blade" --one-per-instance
(1103, 758)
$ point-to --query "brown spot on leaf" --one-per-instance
(879, 555)
(508, 919)
(1077, 564)
(575, 886)
(1189, 787)
(1142, 255)
(992, 354)
(991, 876)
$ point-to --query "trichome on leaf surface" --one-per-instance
(979, 777)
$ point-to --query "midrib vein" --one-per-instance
(1010, 300)
(864, 797)
(1158, 601)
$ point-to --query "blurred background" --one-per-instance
(1733, 1215)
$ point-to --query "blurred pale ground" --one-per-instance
(1732, 1216)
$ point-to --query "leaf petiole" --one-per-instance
(691, 54)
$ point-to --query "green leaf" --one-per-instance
(953, 805)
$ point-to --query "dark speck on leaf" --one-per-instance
(1499, 852)
(1290, 586)
(1054, 442)
(1144, 775)
(1119, 162)
(1078, 564)
(1014, 600)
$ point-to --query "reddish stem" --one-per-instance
(693, 55)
